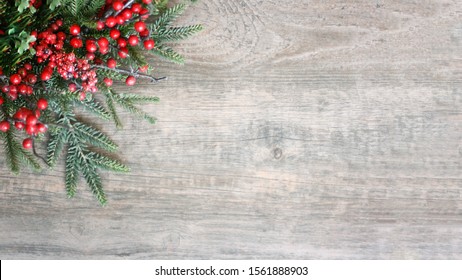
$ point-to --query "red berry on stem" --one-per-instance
(72, 87)
(100, 25)
(117, 5)
(136, 8)
(123, 52)
(1, 100)
(103, 42)
(133, 40)
(130, 81)
(108, 81)
(122, 42)
(149, 44)
(76, 43)
(42, 103)
(4, 126)
(31, 120)
(140, 26)
(147, 2)
(114, 34)
(111, 22)
(15, 79)
(41, 128)
(19, 125)
(28, 66)
(127, 14)
(27, 143)
(74, 30)
(91, 46)
(46, 74)
(111, 63)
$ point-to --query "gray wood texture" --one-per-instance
(319, 129)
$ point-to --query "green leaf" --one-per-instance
(24, 4)
(53, 4)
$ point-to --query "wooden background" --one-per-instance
(298, 129)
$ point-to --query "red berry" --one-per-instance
(123, 52)
(122, 42)
(46, 73)
(100, 25)
(104, 50)
(133, 40)
(111, 22)
(103, 42)
(149, 44)
(28, 66)
(27, 143)
(4, 126)
(15, 79)
(76, 43)
(117, 5)
(144, 33)
(31, 120)
(72, 87)
(114, 34)
(41, 128)
(147, 1)
(22, 88)
(108, 82)
(31, 78)
(59, 22)
(144, 68)
(19, 125)
(74, 30)
(42, 103)
(90, 56)
(91, 46)
(1, 100)
(140, 26)
(130, 81)
(5, 88)
(127, 14)
(136, 8)
(31, 129)
(120, 19)
(111, 63)
(22, 72)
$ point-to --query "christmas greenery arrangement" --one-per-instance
(59, 58)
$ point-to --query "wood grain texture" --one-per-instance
(312, 129)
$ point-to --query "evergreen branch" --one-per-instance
(108, 163)
(128, 105)
(135, 98)
(71, 170)
(112, 109)
(168, 53)
(167, 17)
(94, 136)
(55, 145)
(96, 108)
(11, 151)
(177, 33)
(94, 181)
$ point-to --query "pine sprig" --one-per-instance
(177, 33)
(85, 149)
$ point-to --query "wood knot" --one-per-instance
(277, 153)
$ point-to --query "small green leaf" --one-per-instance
(53, 4)
(24, 4)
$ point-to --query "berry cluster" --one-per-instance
(71, 54)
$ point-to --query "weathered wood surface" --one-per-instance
(298, 129)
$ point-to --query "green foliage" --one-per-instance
(84, 148)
